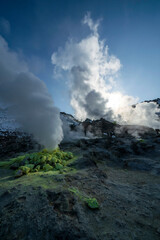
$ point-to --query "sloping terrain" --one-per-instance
(121, 173)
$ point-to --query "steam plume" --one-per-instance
(28, 99)
(93, 72)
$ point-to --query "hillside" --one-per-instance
(111, 189)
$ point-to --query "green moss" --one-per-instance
(47, 168)
(45, 160)
(44, 180)
(44, 150)
(31, 166)
(69, 155)
(58, 155)
(13, 162)
(58, 166)
(54, 160)
(49, 157)
(37, 168)
(64, 163)
(91, 202)
(25, 169)
(141, 140)
(77, 193)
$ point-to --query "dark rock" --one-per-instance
(117, 169)
(12, 143)
(84, 162)
(19, 173)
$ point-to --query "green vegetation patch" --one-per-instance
(141, 140)
(45, 160)
(90, 202)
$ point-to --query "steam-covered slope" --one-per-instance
(119, 166)
(122, 173)
(75, 129)
(7, 123)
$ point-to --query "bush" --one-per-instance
(49, 158)
(54, 160)
(45, 160)
(25, 169)
(37, 168)
(58, 166)
(92, 203)
(47, 167)
(31, 166)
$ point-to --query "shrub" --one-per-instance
(45, 160)
(53, 160)
(61, 171)
(58, 166)
(44, 150)
(69, 155)
(37, 168)
(31, 166)
(92, 203)
(59, 155)
(49, 158)
(47, 167)
(64, 163)
(25, 169)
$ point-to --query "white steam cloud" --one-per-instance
(28, 99)
(93, 72)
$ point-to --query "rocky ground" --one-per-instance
(117, 165)
(121, 172)
(14, 143)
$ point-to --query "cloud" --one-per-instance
(5, 26)
(142, 114)
(90, 67)
(92, 25)
(28, 99)
(92, 74)
(98, 108)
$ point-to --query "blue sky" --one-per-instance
(131, 28)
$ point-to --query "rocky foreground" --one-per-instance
(119, 170)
